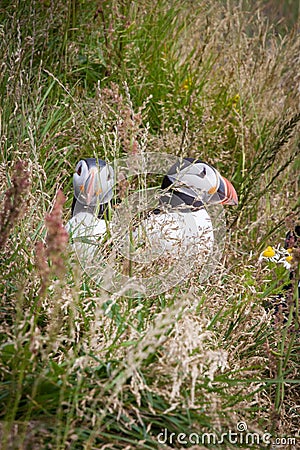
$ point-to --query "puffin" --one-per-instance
(93, 183)
(179, 226)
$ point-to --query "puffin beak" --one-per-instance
(90, 184)
(230, 197)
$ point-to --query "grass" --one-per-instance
(83, 369)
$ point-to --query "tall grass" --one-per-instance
(81, 368)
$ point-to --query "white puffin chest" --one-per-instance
(176, 234)
(86, 232)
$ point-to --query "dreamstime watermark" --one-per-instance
(135, 264)
(239, 437)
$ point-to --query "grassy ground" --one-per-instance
(82, 369)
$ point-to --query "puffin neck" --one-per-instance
(179, 200)
(80, 207)
(176, 199)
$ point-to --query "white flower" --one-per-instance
(270, 254)
(286, 261)
(278, 255)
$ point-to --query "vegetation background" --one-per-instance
(81, 369)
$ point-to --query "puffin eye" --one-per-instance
(79, 170)
(203, 173)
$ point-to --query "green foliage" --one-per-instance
(81, 368)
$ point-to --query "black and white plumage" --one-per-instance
(93, 183)
(179, 225)
(196, 183)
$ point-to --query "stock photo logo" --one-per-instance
(146, 240)
(240, 436)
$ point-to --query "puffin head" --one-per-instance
(93, 183)
(196, 183)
